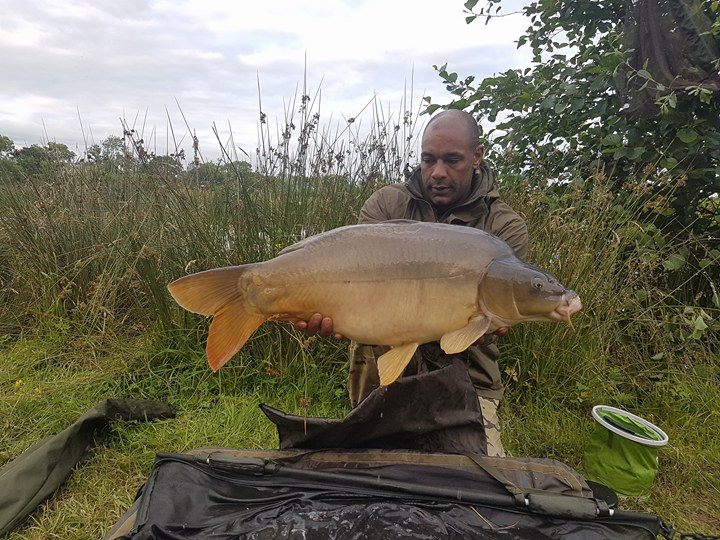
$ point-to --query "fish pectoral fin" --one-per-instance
(231, 327)
(459, 340)
(393, 363)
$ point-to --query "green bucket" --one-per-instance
(623, 451)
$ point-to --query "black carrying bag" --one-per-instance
(432, 412)
(311, 492)
(225, 497)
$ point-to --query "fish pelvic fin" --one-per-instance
(218, 293)
(393, 363)
(459, 340)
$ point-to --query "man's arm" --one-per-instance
(506, 224)
(373, 211)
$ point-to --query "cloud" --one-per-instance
(135, 59)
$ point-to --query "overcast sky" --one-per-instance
(99, 61)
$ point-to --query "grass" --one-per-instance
(86, 253)
(221, 409)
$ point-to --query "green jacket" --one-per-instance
(483, 210)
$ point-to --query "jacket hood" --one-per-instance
(484, 186)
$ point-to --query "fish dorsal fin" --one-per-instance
(400, 221)
(300, 244)
(393, 363)
(459, 340)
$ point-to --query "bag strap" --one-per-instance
(523, 496)
(517, 493)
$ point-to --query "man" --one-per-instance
(452, 185)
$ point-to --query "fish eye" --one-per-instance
(537, 283)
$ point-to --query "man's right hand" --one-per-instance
(318, 324)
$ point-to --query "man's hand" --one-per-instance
(318, 323)
(502, 331)
(499, 332)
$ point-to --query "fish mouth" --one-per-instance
(569, 305)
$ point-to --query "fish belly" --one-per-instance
(380, 312)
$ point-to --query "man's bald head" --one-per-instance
(456, 120)
(450, 152)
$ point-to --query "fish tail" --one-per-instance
(217, 293)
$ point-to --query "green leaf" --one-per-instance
(577, 104)
(613, 139)
(644, 74)
(669, 163)
(620, 153)
(470, 19)
(700, 324)
(658, 356)
(470, 4)
(687, 135)
(432, 108)
(548, 103)
(674, 262)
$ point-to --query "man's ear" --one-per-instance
(479, 155)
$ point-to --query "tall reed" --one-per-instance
(97, 245)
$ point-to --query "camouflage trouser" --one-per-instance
(491, 421)
(363, 378)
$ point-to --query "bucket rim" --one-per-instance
(635, 438)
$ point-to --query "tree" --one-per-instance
(113, 148)
(110, 151)
(34, 159)
(31, 158)
(7, 146)
(93, 154)
(60, 153)
(589, 104)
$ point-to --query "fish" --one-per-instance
(397, 283)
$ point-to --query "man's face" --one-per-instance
(446, 163)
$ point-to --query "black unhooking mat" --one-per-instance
(363, 489)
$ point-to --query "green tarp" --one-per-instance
(32, 477)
